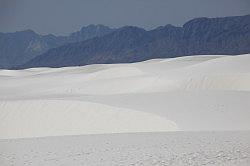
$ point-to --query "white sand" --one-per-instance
(145, 149)
(42, 118)
(187, 93)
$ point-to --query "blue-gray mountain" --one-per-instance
(20, 47)
(228, 36)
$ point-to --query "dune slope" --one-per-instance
(188, 93)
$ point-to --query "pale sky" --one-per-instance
(62, 17)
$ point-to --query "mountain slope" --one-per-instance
(227, 36)
(20, 47)
(97, 50)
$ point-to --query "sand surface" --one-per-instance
(178, 102)
(195, 93)
(144, 149)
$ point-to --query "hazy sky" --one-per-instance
(65, 16)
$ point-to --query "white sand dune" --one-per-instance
(189, 93)
(41, 118)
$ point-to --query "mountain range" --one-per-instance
(20, 47)
(100, 44)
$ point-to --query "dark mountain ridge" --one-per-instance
(226, 36)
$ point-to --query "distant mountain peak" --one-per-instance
(94, 26)
(27, 31)
(166, 27)
(205, 20)
(131, 29)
